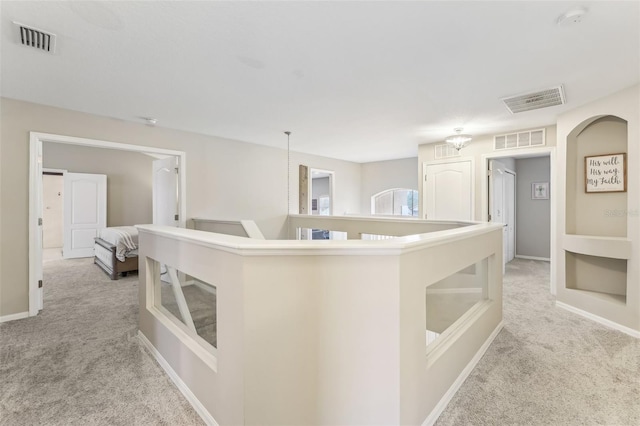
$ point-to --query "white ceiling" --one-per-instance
(360, 81)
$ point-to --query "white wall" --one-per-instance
(382, 175)
(533, 217)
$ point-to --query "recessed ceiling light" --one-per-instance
(572, 17)
(150, 121)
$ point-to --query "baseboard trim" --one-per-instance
(469, 290)
(608, 323)
(544, 259)
(182, 387)
(13, 317)
(448, 396)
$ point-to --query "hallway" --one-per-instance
(549, 366)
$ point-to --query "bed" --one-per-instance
(116, 250)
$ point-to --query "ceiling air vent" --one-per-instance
(540, 99)
(35, 38)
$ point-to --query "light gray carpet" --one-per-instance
(79, 362)
(549, 366)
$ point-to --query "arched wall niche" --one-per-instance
(595, 214)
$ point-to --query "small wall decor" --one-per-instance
(540, 191)
(605, 173)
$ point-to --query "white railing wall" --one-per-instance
(322, 332)
(240, 228)
(356, 226)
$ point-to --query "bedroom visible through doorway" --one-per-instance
(47, 195)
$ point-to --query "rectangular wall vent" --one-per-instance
(527, 139)
(35, 38)
(540, 99)
(445, 150)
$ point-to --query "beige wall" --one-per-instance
(226, 179)
(597, 251)
(480, 145)
(129, 184)
(381, 175)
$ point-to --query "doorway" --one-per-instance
(36, 201)
(534, 212)
(315, 197)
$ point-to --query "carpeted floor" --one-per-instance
(202, 307)
(79, 362)
(549, 366)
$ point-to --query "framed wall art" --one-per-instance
(540, 191)
(605, 173)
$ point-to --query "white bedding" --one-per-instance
(125, 238)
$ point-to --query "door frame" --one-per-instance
(514, 204)
(549, 151)
(425, 164)
(36, 140)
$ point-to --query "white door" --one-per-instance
(53, 211)
(502, 205)
(85, 212)
(165, 191)
(447, 191)
(510, 209)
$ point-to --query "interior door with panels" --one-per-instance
(85, 212)
(448, 191)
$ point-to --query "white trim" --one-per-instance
(35, 202)
(47, 170)
(35, 195)
(468, 290)
(204, 414)
(448, 396)
(252, 247)
(13, 317)
(252, 229)
(607, 323)
(549, 151)
(544, 259)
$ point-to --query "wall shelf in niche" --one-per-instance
(597, 275)
(610, 247)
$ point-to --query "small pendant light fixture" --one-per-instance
(459, 140)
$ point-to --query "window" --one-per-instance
(396, 202)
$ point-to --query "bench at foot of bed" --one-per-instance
(105, 258)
